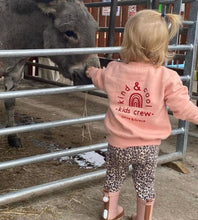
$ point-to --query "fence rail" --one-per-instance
(75, 51)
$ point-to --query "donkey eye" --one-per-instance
(71, 34)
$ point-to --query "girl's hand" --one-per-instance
(89, 69)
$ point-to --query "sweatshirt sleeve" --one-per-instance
(177, 98)
(97, 75)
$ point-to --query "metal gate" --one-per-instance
(189, 55)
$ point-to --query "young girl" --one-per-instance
(139, 91)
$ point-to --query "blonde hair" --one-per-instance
(146, 37)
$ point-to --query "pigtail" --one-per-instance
(174, 23)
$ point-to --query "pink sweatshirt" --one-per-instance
(139, 94)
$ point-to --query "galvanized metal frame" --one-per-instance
(73, 51)
(190, 59)
(60, 184)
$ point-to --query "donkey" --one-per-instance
(37, 24)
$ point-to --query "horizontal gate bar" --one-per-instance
(48, 91)
(23, 194)
(132, 2)
(185, 78)
(188, 22)
(51, 91)
(49, 187)
(49, 156)
(169, 157)
(195, 97)
(177, 131)
(121, 3)
(59, 123)
(121, 29)
(52, 124)
(193, 134)
(173, 1)
(72, 51)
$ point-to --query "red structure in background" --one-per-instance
(124, 13)
(103, 21)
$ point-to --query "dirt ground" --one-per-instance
(177, 193)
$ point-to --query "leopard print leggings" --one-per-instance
(144, 162)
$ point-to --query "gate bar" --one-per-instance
(48, 91)
(42, 189)
(172, 1)
(192, 134)
(120, 3)
(75, 51)
(195, 97)
(49, 156)
(52, 124)
(58, 154)
(59, 123)
(121, 29)
(52, 91)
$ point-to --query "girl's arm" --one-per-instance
(97, 76)
(177, 98)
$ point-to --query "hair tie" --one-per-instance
(167, 21)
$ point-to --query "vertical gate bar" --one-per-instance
(110, 42)
(155, 4)
(190, 60)
(176, 10)
(149, 4)
(177, 7)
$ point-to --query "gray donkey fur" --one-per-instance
(37, 24)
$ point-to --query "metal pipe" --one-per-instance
(53, 155)
(52, 124)
(121, 29)
(192, 134)
(173, 1)
(49, 187)
(92, 92)
(52, 91)
(110, 41)
(188, 22)
(59, 123)
(195, 97)
(166, 1)
(120, 3)
(185, 78)
(181, 47)
(177, 131)
(56, 52)
(49, 156)
(48, 91)
(74, 51)
(42, 189)
(188, 1)
(169, 157)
